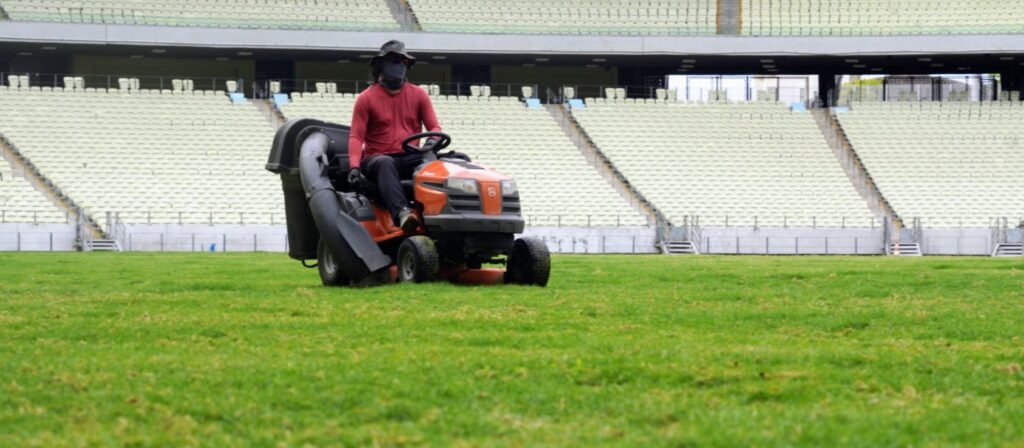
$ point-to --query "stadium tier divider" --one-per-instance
(557, 186)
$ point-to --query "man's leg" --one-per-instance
(408, 163)
(382, 170)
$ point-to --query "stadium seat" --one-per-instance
(588, 17)
(152, 157)
(20, 202)
(951, 164)
(262, 14)
(879, 17)
(739, 164)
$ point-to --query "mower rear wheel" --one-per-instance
(529, 263)
(330, 275)
(417, 260)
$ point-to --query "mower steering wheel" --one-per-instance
(443, 141)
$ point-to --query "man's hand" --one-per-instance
(429, 145)
(354, 176)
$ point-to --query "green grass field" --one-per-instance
(244, 350)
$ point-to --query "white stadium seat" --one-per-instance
(149, 156)
(950, 164)
(728, 164)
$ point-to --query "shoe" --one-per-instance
(408, 221)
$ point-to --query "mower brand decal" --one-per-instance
(492, 192)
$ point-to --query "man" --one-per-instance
(387, 112)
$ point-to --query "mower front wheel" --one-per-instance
(330, 275)
(529, 263)
(417, 260)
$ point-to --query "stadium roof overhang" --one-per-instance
(684, 54)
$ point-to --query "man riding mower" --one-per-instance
(469, 216)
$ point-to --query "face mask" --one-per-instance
(393, 75)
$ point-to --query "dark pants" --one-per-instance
(387, 172)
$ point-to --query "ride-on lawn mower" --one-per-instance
(469, 216)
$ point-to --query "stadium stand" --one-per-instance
(275, 14)
(557, 186)
(152, 156)
(22, 203)
(951, 164)
(620, 17)
(879, 17)
(729, 164)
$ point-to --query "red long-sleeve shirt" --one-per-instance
(381, 120)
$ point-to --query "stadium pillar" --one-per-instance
(827, 89)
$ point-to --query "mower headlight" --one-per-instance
(468, 186)
(509, 188)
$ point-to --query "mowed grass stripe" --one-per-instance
(249, 349)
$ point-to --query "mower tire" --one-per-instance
(330, 275)
(417, 260)
(529, 263)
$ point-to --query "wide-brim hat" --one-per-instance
(393, 46)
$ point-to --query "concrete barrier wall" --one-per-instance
(597, 240)
(205, 238)
(578, 240)
(37, 237)
(792, 241)
(956, 242)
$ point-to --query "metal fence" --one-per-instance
(779, 221)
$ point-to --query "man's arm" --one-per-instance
(357, 134)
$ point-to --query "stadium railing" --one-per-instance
(263, 88)
(109, 81)
(6, 217)
(699, 88)
(975, 88)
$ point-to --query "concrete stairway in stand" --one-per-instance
(404, 15)
(729, 19)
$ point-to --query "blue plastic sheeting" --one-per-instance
(798, 107)
(237, 98)
(533, 103)
(576, 104)
(280, 99)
